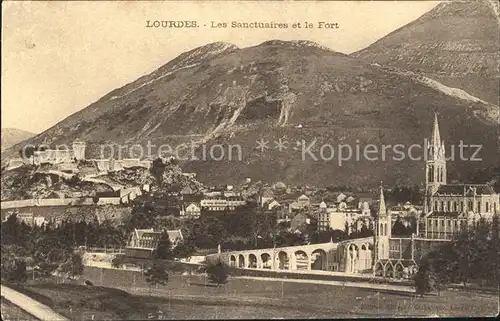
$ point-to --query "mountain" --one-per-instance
(296, 91)
(12, 136)
(456, 43)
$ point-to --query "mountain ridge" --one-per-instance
(298, 91)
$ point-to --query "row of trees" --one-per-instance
(44, 249)
(472, 257)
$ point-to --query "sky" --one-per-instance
(59, 57)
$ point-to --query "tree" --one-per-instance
(184, 249)
(156, 275)
(73, 266)
(164, 249)
(217, 272)
(399, 229)
(425, 279)
(13, 264)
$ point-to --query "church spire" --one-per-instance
(381, 208)
(436, 137)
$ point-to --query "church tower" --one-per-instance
(382, 230)
(435, 165)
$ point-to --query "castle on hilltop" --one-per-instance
(57, 156)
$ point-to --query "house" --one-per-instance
(331, 220)
(266, 195)
(301, 219)
(273, 204)
(187, 191)
(193, 210)
(341, 197)
(303, 201)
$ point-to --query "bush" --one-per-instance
(15, 271)
(217, 272)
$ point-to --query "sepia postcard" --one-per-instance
(250, 159)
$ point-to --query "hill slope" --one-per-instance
(12, 136)
(456, 43)
(293, 90)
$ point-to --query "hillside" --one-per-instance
(456, 43)
(293, 90)
(12, 136)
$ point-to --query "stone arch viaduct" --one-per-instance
(350, 256)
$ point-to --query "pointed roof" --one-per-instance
(382, 211)
(436, 137)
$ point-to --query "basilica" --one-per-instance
(448, 208)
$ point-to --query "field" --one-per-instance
(125, 295)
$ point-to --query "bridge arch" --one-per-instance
(319, 260)
(241, 261)
(252, 261)
(232, 261)
(283, 260)
(267, 262)
(301, 260)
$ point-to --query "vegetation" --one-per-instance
(164, 249)
(472, 257)
(218, 272)
(156, 275)
(73, 266)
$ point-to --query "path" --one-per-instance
(365, 285)
(33, 307)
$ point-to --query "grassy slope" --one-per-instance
(188, 298)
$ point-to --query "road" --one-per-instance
(38, 310)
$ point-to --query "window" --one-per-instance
(435, 205)
(470, 205)
(455, 206)
(442, 206)
(487, 207)
(448, 206)
(479, 206)
(431, 173)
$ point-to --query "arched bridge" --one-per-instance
(347, 256)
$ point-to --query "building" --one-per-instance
(447, 207)
(331, 220)
(143, 242)
(192, 211)
(266, 195)
(57, 156)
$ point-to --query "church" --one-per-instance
(448, 208)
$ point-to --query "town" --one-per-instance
(250, 225)
(306, 166)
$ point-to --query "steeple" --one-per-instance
(382, 211)
(435, 169)
(436, 137)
